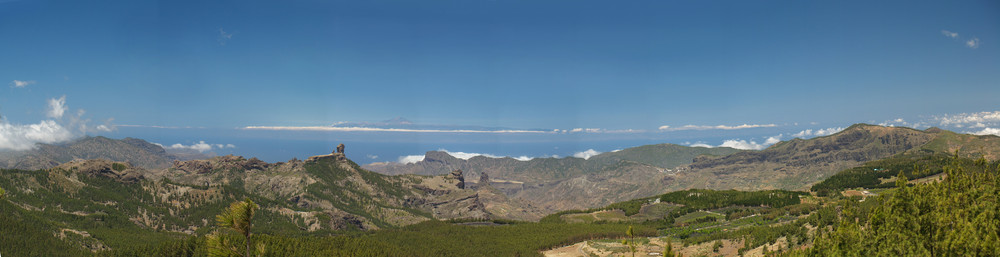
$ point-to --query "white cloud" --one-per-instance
(466, 156)
(722, 127)
(600, 130)
(372, 156)
(21, 83)
(972, 43)
(410, 159)
(743, 144)
(366, 129)
(900, 122)
(586, 154)
(818, 132)
(24, 137)
(201, 146)
(224, 37)
(969, 42)
(979, 119)
(949, 34)
(57, 107)
(701, 145)
(988, 131)
(751, 145)
(460, 155)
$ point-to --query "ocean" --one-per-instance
(369, 147)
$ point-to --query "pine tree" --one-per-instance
(630, 242)
(668, 250)
(238, 217)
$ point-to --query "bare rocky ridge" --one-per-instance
(573, 183)
(119, 171)
(301, 183)
(324, 192)
(137, 152)
(567, 183)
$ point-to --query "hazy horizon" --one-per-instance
(503, 78)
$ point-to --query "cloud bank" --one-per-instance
(988, 131)
(24, 137)
(721, 127)
(460, 155)
(55, 130)
(201, 146)
(367, 129)
(818, 132)
(970, 120)
(743, 144)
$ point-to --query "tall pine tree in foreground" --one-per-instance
(237, 218)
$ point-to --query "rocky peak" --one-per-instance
(457, 174)
(439, 157)
(484, 180)
(337, 155)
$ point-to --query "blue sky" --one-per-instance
(542, 65)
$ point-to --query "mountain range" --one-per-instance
(138, 152)
(573, 183)
(92, 192)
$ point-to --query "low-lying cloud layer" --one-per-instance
(58, 129)
(586, 154)
(818, 132)
(988, 131)
(201, 146)
(970, 120)
(367, 129)
(743, 144)
(461, 155)
(722, 127)
(24, 137)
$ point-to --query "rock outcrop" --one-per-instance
(457, 175)
(120, 171)
(484, 180)
(220, 163)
